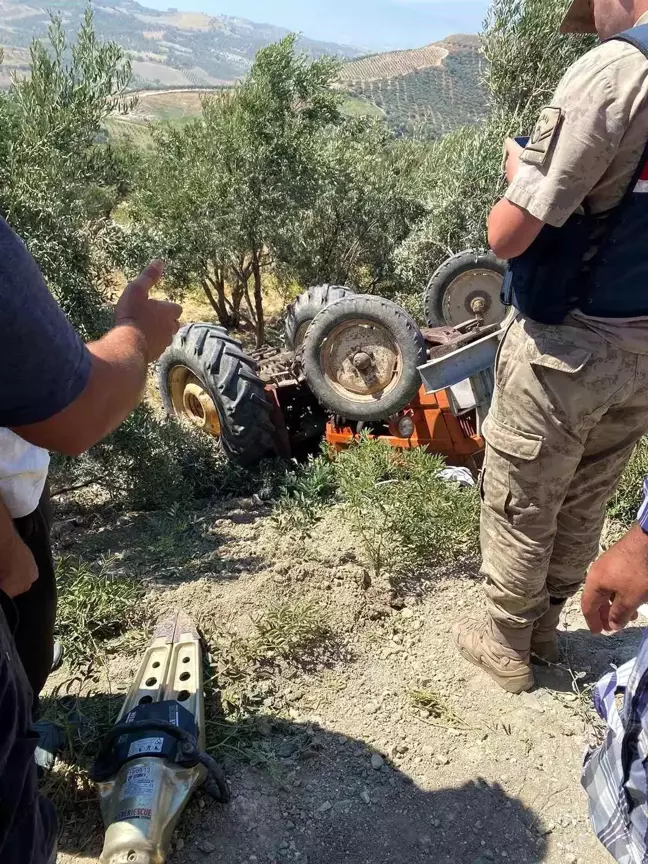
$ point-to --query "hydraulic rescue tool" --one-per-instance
(153, 758)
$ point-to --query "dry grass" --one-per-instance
(431, 705)
(170, 106)
(94, 606)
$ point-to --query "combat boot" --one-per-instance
(503, 652)
(544, 642)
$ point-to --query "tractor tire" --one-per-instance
(304, 308)
(463, 279)
(206, 377)
(361, 357)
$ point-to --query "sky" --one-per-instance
(371, 24)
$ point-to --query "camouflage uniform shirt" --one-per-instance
(591, 139)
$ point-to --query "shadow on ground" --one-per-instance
(595, 655)
(165, 548)
(304, 794)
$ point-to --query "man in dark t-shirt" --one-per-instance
(61, 395)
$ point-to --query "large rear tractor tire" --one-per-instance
(304, 309)
(361, 358)
(206, 377)
(468, 285)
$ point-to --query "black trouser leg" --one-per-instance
(28, 826)
(34, 635)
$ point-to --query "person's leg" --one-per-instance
(34, 636)
(554, 385)
(28, 826)
(607, 451)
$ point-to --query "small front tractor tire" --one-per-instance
(361, 358)
(206, 377)
(305, 308)
(465, 286)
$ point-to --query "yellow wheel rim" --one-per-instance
(191, 400)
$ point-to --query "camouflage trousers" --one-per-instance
(568, 410)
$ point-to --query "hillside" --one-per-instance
(168, 49)
(428, 91)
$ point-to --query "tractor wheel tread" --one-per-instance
(229, 375)
(405, 334)
(306, 307)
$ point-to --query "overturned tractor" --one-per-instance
(351, 363)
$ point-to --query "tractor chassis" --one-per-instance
(432, 420)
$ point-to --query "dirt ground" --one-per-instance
(349, 769)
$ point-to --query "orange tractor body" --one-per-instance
(435, 427)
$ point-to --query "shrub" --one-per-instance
(303, 493)
(290, 631)
(462, 177)
(405, 515)
(152, 463)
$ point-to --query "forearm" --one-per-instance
(119, 368)
(8, 538)
(511, 230)
(115, 386)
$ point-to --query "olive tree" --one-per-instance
(365, 205)
(57, 184)
(222, 193)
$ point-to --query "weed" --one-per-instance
(435, 706)
(303, 494)
(627, 499)
(94, 607)
(405, 515)
(241, 738)
(290, 631)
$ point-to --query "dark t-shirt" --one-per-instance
(45, 365)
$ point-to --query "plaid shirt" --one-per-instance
(616, 774)
(642, 517)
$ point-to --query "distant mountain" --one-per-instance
(428, 91)
(169, 49)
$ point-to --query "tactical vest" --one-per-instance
(595, 263)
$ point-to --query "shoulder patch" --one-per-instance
(543, 137)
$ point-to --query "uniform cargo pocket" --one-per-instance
(551, 348)
(511, 481)
(569, 360)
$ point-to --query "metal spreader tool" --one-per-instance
(153, 759)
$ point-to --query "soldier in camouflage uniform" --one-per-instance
(571, 401)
